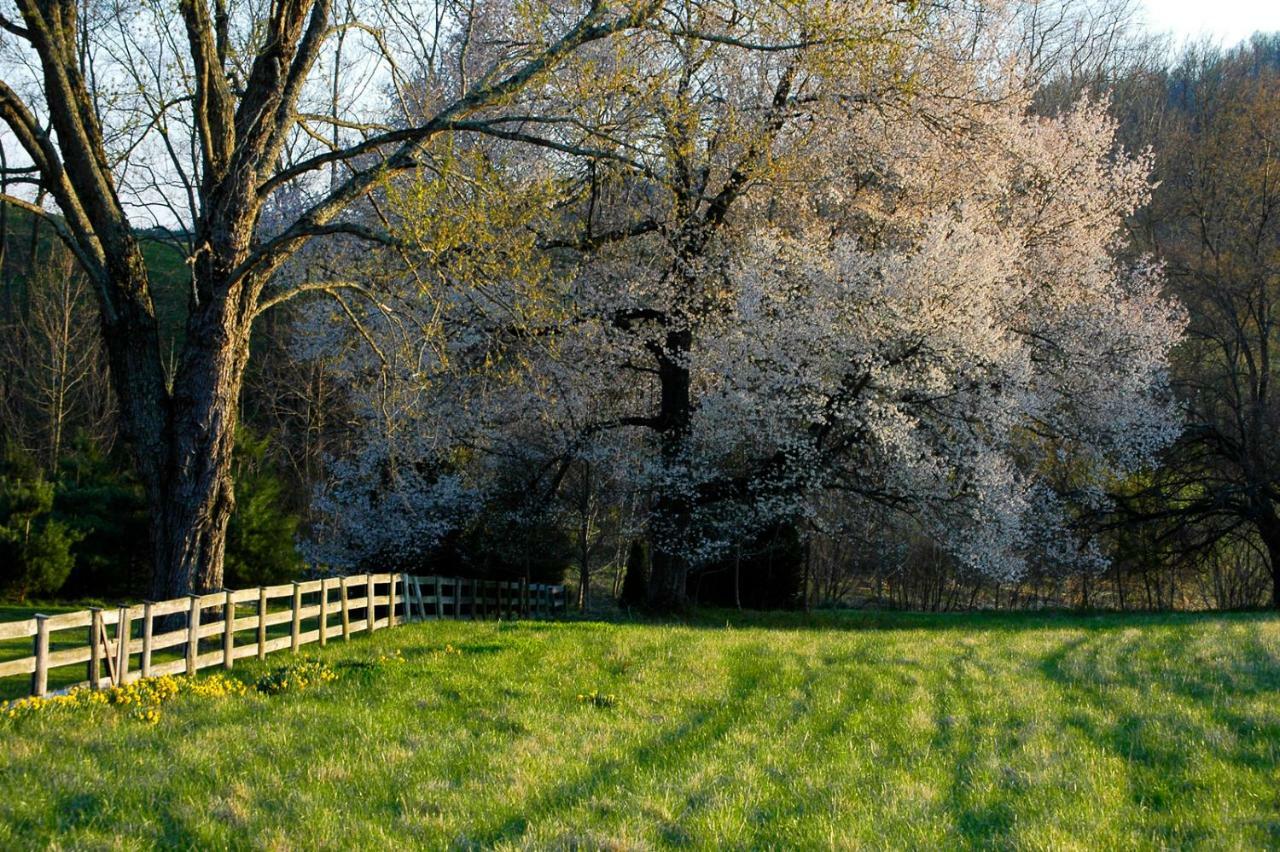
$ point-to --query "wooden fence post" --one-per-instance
(95, 649)
(346, 609)
(296, 629)
(392, 582)
(501, 585)
(193, 633)
(262, 622)
(324, 611)
(229, 631)
(524, 597)
(369, 609)
(147, 631)
(124, 630)
(401, 583)
(391, 598)
(40, 677)
(457, 597)
(439, 597)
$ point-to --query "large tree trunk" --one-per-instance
(194, 489)
(195, 483)
(182, 432)
(584, 540)
(671, 518)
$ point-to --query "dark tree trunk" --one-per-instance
(1269, 532)
(584, 541)
(737, 577)
(671, 519)
(195, 485)
(182, 432)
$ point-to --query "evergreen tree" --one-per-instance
(261, 536)
(35, 549)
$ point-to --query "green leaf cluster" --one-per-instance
(35, 548)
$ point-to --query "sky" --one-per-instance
(1229, 21)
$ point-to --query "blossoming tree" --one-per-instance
(805, 259)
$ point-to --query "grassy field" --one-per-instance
(1035, 732)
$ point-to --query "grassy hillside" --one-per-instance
(1017, 731)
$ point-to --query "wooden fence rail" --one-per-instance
(330, 608)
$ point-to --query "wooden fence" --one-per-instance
(329, 607)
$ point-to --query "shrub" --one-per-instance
(35, 549)
(261, 547)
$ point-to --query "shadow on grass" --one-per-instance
(676, 746)
(983, 824)
(1117, 689)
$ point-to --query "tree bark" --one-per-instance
(671, 519)
(182, 432)
(195, 487)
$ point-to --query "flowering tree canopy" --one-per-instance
(799, 263)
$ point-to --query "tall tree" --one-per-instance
(1215, 223)
(831, 250)
(810, 225)
(58, 386)
(231, 82)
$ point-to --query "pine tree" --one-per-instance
(35, 550)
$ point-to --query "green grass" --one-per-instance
(1035, 732)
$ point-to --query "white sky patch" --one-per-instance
(1226, 21)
